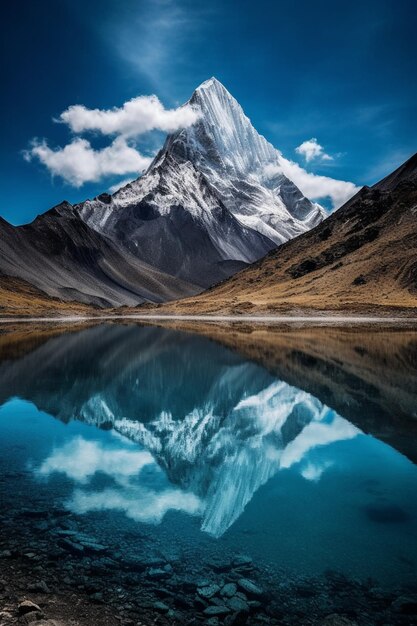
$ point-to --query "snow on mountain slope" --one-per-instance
(206, 206)
(172, 220)
(236, 161)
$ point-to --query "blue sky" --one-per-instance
(341, 72)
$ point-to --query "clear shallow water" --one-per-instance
(167, 448)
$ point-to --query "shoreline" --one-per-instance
(256, 319)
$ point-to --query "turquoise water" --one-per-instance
(150, 440)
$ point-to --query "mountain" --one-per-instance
(64, 258)
(207, 205)
(203, 210)
(362, 257)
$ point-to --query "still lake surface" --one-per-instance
(164, 461)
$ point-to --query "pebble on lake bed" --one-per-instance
(249, 587)
(27, 606)
(209, 591)
(229, 590)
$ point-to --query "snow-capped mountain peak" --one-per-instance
(205, 206)
(243, 150)
(235, 159)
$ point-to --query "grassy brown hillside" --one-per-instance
(362, 258)
(20, 299)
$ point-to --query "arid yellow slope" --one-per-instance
(20, 299)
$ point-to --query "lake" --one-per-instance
(225, 476)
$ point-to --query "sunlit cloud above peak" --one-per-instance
(135, 117)
(79, 162)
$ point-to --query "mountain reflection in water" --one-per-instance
(209, 427)
(215, 461)
(157, 425)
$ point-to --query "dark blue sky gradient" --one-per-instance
(344, 72)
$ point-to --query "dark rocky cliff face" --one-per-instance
(61, 255)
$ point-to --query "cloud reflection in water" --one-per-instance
(206, 464)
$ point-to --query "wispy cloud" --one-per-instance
(141, 504)
(311, 150)
(80, 460)
(154, 39)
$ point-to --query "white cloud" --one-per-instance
(318, 433)
(314, 186)
(80, 459)
(314, 471)
(135, 117)
(311, 149)
(138, 503)
(78, 162)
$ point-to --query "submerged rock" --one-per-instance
(209, 591)
(199, 603)
(191, 583)
(97, 597)
(153, 560)
(254, 604)
(157, 573)
(242, 560)
(39, 586)
(5, 554)
(102, 565)
(216, 611)
(72, 546)
(249, 587)
(161, 607)
(134, 564)
(238, 619)
(27, 606)
(218, 564)
(238, 605)
(92, 546)
(229, 590)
